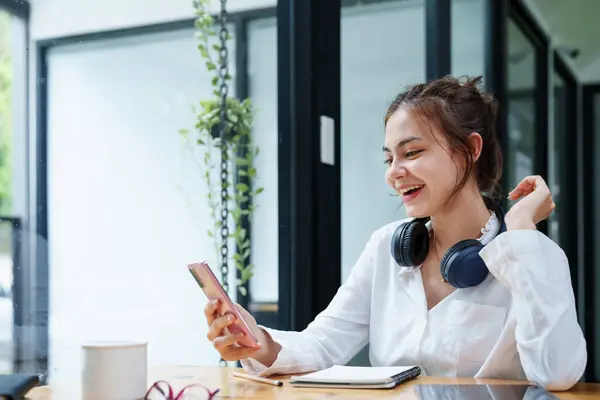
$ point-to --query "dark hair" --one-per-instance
(457, 109)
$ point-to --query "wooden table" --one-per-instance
(230, 387)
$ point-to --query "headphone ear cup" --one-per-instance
(410, 243)
(462, 266)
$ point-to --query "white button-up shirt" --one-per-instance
(520, 323)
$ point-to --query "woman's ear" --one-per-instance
(476, 144)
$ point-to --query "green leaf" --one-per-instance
(246, 274)
(246, 254)
(241, 161)
(211, 65)
(242, 187)
(242, 290)
(210, 234)
(259, 191)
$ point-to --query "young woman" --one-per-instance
(418, 299)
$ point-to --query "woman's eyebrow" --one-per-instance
(403, 142)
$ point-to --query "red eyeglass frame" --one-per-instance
(179, 395)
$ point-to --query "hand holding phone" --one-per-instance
(241, 329)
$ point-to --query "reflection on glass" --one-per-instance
(6, 134)
(262, 79)
(467, 37)
(371, 76)
(521, 106)
(557, 144)
(6, 111)
(13, 172)
(6, 303)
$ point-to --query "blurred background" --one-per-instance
(110, 173)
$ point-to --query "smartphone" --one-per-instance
(212, 288)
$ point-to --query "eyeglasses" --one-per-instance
(167, 393)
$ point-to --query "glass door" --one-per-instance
(591, 218)
(13, 182)
(527, 100)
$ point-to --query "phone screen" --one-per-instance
(196, 278)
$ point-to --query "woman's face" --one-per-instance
(419, 165)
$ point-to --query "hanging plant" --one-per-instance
(232, 152)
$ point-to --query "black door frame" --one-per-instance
(568, 217)
(587, 141)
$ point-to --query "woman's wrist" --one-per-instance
(269, 349)
(516, 222)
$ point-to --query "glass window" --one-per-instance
(128, 207)
(371, 77)
(556, 167)
(467, 37)
(520, 158)
(592, 274)
(13, 183)
(262, 81)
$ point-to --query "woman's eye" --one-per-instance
(387, 161)
(413, 153)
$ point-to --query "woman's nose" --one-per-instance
(397, 171)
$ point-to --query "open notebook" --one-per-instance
(340, 376)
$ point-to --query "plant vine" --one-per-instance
(240, 149)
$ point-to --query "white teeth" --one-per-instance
(406, 189)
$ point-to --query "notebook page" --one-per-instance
(351, 374)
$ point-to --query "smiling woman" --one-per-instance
(443, 157)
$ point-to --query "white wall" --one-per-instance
(121, 231)
(56, 18)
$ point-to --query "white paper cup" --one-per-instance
(114, 371)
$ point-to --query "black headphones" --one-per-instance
(461, 266)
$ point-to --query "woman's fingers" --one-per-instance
(211, 310)
(232, 353)
(524, 187)
(528, 185)
(219, 324)
(222, 342)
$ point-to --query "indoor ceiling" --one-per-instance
(574, 26)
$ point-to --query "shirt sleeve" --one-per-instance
(535, 270)
(337, 334)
